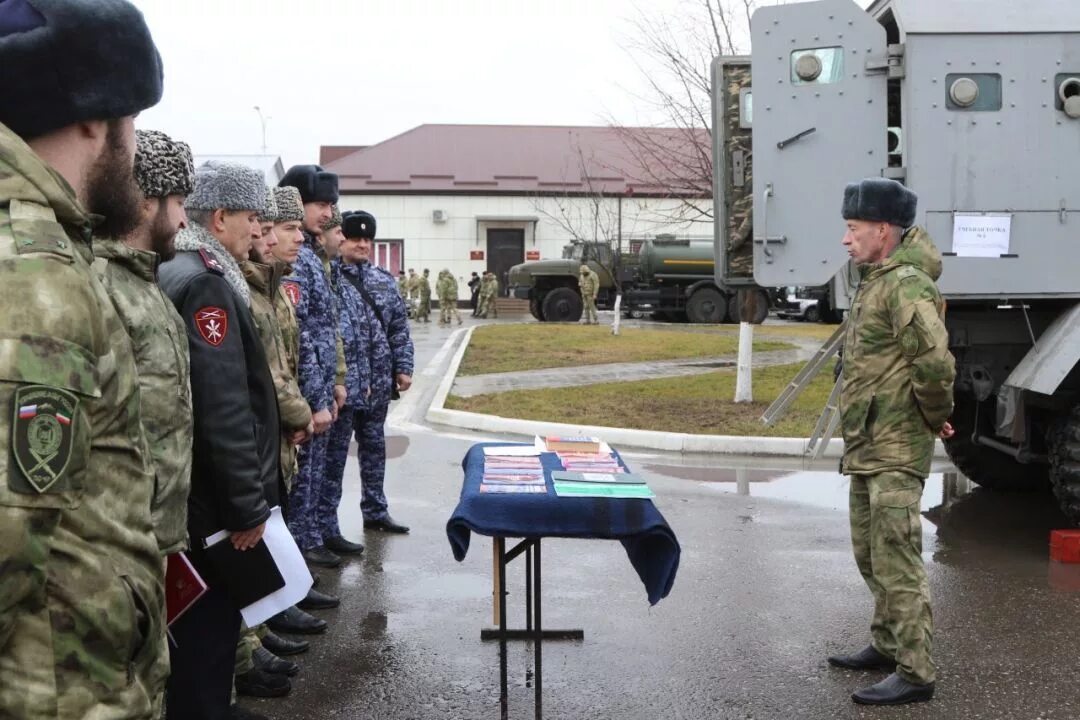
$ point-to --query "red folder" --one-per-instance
(183, 586)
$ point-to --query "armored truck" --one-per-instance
(975, 105)
(671, 276)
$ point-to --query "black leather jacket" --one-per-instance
(235, 476)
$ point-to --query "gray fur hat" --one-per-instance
(335, 219)
(290, 207)
(270, 210)
(163, 166)
(68, 61)
(228, 186)
(880, 200)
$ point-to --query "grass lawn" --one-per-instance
(698, 404)
(532, 346)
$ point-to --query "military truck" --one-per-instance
(668, 275)
(976, 107)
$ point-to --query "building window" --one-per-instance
(389, 255)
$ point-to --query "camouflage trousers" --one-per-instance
(591, 317)
(448, 309)
(303, 520)
(488, 305)
(425, 309)
(250, 641)
(886, 536)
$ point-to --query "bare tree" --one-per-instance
(674, 54)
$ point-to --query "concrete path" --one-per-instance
(622, 372)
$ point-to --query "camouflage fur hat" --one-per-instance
(269, 212)
(290, 208)
(335, 219)
(880, 200)
(163, 166)
(227, 186)
(68, 61)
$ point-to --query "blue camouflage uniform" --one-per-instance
(357, 335)
(389, 352)
(316, 316)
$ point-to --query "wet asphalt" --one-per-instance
(766, 590)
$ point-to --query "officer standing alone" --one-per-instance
(896, 398)
(589, 284)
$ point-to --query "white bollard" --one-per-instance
(618, 315)
(744, 391)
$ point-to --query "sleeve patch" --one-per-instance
(213, 324)
(41, 437)
(292, 291)
(909, 342)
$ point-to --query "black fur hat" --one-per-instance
(68, 61)
(880, 200)
(359, 224)
(314, 183)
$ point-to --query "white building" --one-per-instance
(487, 197)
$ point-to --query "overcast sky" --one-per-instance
(331, 72)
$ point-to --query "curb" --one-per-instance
(623, 437)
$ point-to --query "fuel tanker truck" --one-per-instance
(669, 276)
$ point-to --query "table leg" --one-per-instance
(528, 587)
(538, 642)
(500, 551)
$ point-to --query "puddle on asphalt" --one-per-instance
(963, 525)
(396, 446)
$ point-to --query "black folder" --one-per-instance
(247, 575)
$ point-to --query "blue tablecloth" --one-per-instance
(650, 542)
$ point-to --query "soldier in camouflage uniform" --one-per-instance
(448, 292)
(391, 353)
(489, 291)
(896, 397)
(316, 316)
(128, 269)
(423, 314)
(589, 284)
(81, 595)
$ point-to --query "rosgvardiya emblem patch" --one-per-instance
(42, 433)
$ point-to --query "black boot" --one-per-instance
(283, 647)
(866, 659)
(260, 683)
(322, 557)
(341, 546)
(386, 524)
(271, 663)
(893, 690)
(295, 620)
(316, 600)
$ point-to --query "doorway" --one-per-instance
(505, 249)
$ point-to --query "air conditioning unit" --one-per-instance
(439, 216)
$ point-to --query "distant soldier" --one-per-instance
(235, 478)
(423, 314)
(448, 297)
(489, 291)
(128, 268)
(402, 285)
(474, 292)
(81, 596)
(589, 284)
(896, 397)
(413, 286)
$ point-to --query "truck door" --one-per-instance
(820, 121)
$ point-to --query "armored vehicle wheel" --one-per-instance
(985, 466)
(561, 305)
(1064, 448)
(535, 308)
(707, 305)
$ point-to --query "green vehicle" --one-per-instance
(671, 277)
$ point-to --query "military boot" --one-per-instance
(271, 663)
(283, 647)
(866, 659)
(295, 620)
(893, 690)
(260, 683)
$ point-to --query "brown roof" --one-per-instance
(516, 159)
(330, 153)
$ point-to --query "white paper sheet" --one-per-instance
(511, 451)
(290, 563)
(981, 235)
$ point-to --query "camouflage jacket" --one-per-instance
(159, 340)
(589, 283)
(425, 288)
(489, 288)
(391, 342)
(316, 316)
(266, 296)
(357, 337)
(81, 594)
(897, 381)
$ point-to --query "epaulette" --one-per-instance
(36, 229)
(211, 262)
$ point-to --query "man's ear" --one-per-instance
(93, 129)
(217, 220)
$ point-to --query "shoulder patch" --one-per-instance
(42, 433)
(35, 229)
(213, 324)
(210, 262)
(907, 271)
(292, 291)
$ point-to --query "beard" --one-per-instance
(163, 234)
(110, 187)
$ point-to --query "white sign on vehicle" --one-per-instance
(981, 235)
